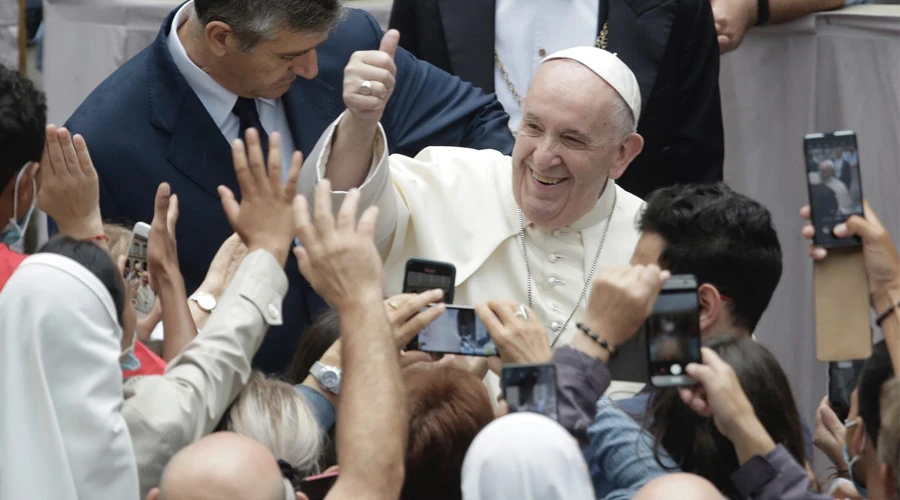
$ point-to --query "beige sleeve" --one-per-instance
(166, 413)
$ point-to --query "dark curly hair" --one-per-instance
(23, 118)
(723, 238)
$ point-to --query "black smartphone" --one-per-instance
(424, 275)
(843, 376)
(317, 487)
(834, 183)
(458, 331)
(673, 332)
(531, 387)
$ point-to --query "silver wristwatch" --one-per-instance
(207, 302)
(328, 377)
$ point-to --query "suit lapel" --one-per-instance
(639, 34)
(469, 31)
(310, 106)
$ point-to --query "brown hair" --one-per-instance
(447, 408)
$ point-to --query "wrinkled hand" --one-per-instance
(162, 249)
(732, 20)
(880, 255)
(377, 67)
(718, 395)
(70, 189)
(339, 257)
(263, 218)
(829, 434)
(621, 299)
(409, 313)
(518, 340)
(226, 262)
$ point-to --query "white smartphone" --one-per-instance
(136, 268)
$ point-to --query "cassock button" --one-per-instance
(552, 281)
(555, 326)
(554, 258)
(556, 233)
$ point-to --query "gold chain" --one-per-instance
(601, 43)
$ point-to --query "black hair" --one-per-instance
(96, 260)
(875, 372)
(23, 118)
(318, 337)
(723, 238)
(256, 20)
(693, 441)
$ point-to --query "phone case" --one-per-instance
(843, 330)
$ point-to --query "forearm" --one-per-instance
(178, 322)
(882, 300)
(787, 10)
(372, 421)
(353, 145)
(84, 228)
(581, 380)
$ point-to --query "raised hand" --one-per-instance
(406, 314)
(338, 257)
(520, 338)
(162, 249)
(369, 79)
(830, 434)
(69, 188)
(263, 218)
(718, 394)
(879, 253)
(621, 300)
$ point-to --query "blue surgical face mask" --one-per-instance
(127, 360)
(15, 230)
(851, 462)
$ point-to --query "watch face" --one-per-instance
(206, 302)
(330, 380)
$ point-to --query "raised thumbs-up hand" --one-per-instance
(369, 80)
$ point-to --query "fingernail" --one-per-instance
(437, 291)
(819, 253)
(840, 229)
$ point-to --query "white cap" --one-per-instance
(608, 67)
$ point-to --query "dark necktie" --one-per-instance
(245, 109)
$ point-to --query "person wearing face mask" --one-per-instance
(23, 115)
(65, 186)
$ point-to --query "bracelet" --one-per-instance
(604, 344)
(99, 237)
(762, 12)
(883, 316)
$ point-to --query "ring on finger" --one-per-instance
(365, 88)
(522, 312)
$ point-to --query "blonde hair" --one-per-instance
(278, 416)
(889, 436)
(119, 239)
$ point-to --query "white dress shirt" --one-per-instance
(527, 31)
(219, 102)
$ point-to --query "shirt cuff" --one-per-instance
(380, 154)
(759, 471)
(321, 407)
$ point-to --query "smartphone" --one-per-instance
(531, 387)
(673, 332)
(834, 183)
(317, 487)
(424, 275)
(136, 268)
(458, 331)
(843, 377)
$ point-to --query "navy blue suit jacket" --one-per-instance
(144, 125)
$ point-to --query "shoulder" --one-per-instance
(454, 169)
(627, 201)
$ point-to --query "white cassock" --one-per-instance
(456, 205)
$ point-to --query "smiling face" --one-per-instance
(568, 145)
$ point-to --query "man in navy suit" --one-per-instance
(219, 67)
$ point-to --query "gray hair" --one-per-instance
(275, 414)
(623, 117)
(254, 21)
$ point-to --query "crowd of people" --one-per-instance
(262, 352)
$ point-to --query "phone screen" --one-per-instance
(424, 275)
(835, 186)
(458, 331)
(673, 335)
(136, 274)
(531, 388)
(843, 377)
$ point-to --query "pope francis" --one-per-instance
(534, 227)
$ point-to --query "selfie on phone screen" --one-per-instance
(835, 186)
(457, 331)
(136, 269)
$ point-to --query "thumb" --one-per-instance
(389, 43)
